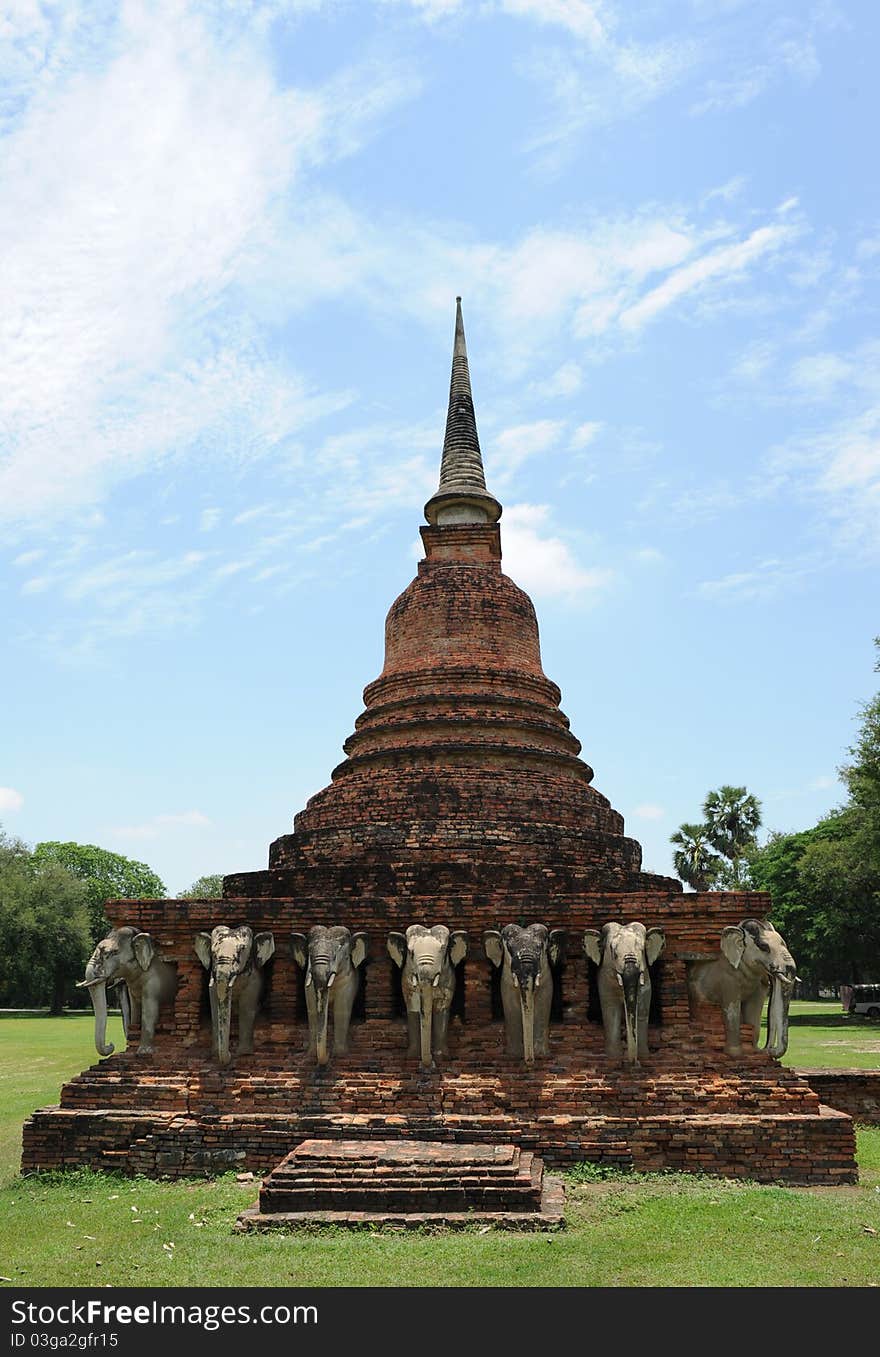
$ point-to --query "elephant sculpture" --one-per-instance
(330, 958)
(623, 954)
(525, 956)
(427, 958)
(235, 958)
(128, 958)
(754, 961)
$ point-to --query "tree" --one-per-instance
(695, 862)
(105, 876)
(204, 888)
(44, 929)
(825, 881)
(733, 817)
(714, 855)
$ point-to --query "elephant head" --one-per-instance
(623, 953)
(427, 958)
(330, 958)
(526, 955)
(124, 955)
(754, 948)
(233, 956)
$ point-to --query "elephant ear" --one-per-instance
(300, 949)
(493, 946)
(144, 950)
(556, 946)
(202, 946)
(397, 948)
(733, 944)
(458, 944)
(359, 947)
(264, 947)
(655, 941)
(593, 945)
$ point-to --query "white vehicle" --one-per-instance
(865, 999)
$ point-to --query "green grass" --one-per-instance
(821, 1034)
(629, 1230)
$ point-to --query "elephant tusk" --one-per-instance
(330, 979)
(88, 984)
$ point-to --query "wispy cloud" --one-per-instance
(10, 799)
(161, 824)
(649, 812)
(767, 579)
(130, 223)
(726, 262)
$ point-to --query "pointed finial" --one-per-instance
(461, 496)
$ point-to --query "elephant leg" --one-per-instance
(312, 1011)
(542, 1021)
(513, 1028)
(215, 1022)
(149, 1015)
(247, 1015)
(732, 1018)
(342, 1006)
(611, 1015)
(751, 1014)
(642, 1023)
(440, 1030)
(125, 1009)
(414, 1028)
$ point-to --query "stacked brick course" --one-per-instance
(462, 800)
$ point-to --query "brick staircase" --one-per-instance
(405, 1184)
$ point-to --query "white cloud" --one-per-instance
(649, 556)
(511, 447)
(160, 824)
(766, 580)
(565, 381)
(10, 799)
(545, 566)
(209, 519)
(584, 434)
(725, 262)
(820, 374)
(649, 812)
(144, 179)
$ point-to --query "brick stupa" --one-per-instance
(462, 800)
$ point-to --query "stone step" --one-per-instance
(400, 1180)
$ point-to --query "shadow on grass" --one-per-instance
(853, 1022)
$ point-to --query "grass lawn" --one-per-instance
(631, 1230)
(820, 1035)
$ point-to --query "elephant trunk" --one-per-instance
(98, 996)
(322, 998)
(527, 1002)
(777, 1015)
(632, 976)
(426, 994)
(223, 997)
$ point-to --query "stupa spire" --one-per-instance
(461, 496)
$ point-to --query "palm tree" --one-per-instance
(694, 860)
(733, 816)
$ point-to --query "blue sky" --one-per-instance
(231, 235)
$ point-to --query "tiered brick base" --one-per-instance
(407, 1183)
(856, 1092)
(748, 1118)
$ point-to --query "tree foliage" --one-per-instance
(204, 887)
(45, 938)
(825, 881)
(695, 861)
(714, 855)
(104, 875)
